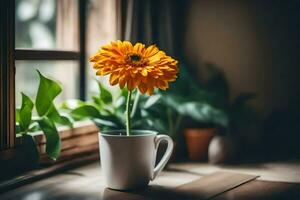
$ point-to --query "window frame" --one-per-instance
(9, 54)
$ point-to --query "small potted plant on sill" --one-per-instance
(128, 156)
(46, 120)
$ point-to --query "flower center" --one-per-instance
(135, 59)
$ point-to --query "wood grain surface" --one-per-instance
(87, 183)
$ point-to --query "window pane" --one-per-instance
(47, 24)
(101, 29)
(65, 72)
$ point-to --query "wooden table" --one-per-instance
(180, 181)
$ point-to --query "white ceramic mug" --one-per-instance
(128, 162)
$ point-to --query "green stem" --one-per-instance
(135, 104)
(128, 113)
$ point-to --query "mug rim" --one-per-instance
(146, 133)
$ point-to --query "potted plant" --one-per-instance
(46, 120)
(195, 109)
(205, 117)
(128, 156)
(240, 117)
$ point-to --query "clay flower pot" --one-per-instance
(197, 141)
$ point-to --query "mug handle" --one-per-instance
(166, 156)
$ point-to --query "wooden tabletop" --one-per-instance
(180, 181)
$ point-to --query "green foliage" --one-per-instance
(48, 115)
(200, 111)
(105, 96)
(53, 143)
(85, 111)
(152, 100)
(106, 109)
(205, 101)
(47, 91)
(24, 114)
(56, 117)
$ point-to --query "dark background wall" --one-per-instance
(257, 45)
(255, 42)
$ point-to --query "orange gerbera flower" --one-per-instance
(135, 66)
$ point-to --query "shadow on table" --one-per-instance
(151, 192)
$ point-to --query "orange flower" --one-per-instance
(135, 66)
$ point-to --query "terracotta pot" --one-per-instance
(197, 141)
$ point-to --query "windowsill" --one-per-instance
(79, 146)
(83, 138)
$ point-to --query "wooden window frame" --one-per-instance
(7, 73)
(9, 142)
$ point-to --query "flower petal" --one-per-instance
(114, 78)
(153, 69)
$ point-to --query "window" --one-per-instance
(54, 36)
(47, 38)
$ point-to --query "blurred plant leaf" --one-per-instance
(97, 101)
(25, 113)
(152, 100)
(101, 122)
(17, 115)
(174, 101)
(56, 117)
(85, 111)
(53, 143)
(119, 101)
(47, 91)
(203, 112)
(71, 104)
(105, 95)
(34, 127)
(199, 111)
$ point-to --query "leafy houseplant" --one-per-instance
(196, 108)
(131, 153)
(48, 116)
(235, 117)
(106, 109)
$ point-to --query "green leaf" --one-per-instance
(105, 95)
(18, 115)
(47, 91)
(204, 113)
(25, 113)
(53, 143)
(71, 104)
(55, 116)
(120, 101)
(152, 100)
(34, 127)
(101, 122)
(86, 111)
(97, 101)
(174, 101)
